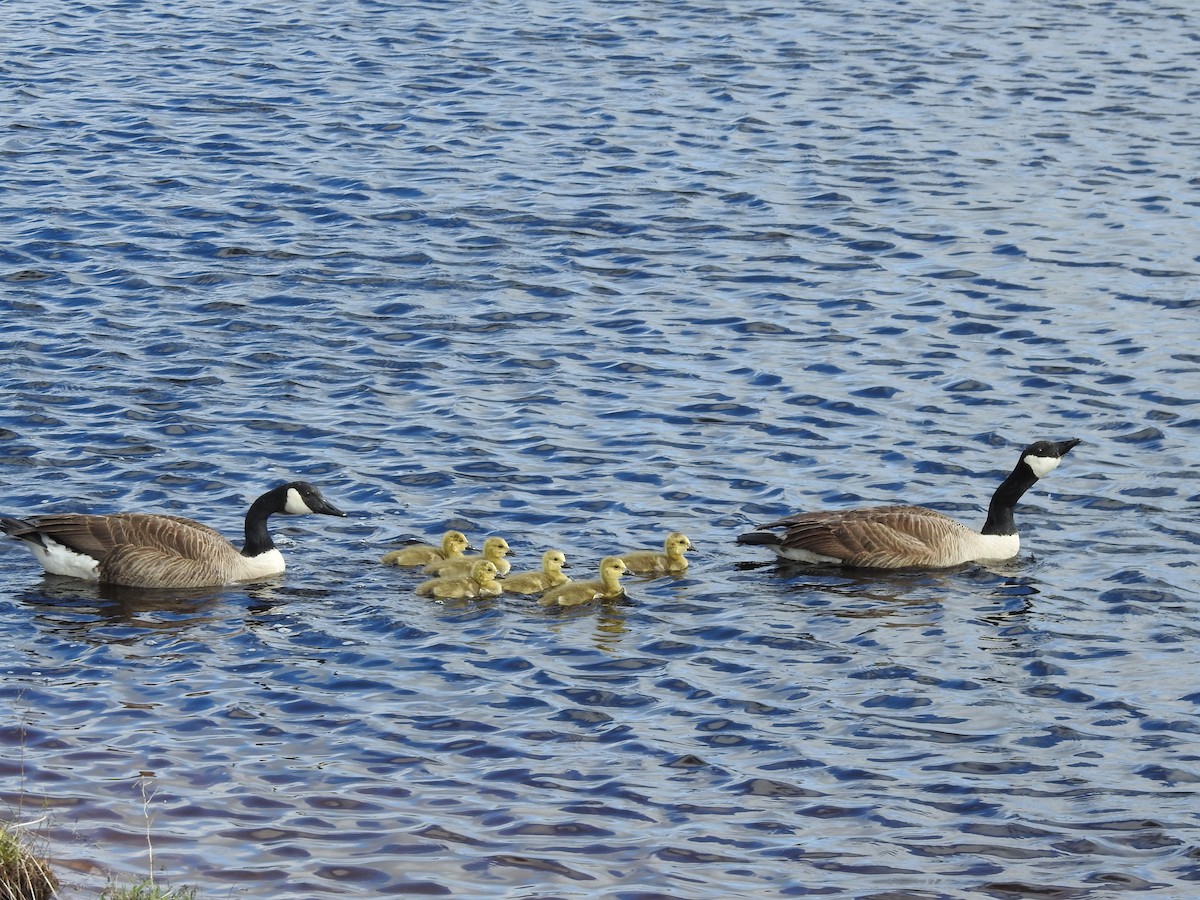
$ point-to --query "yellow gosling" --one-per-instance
(651, 562)
(454, 543)
(480, 582)
(494, 551)
(606, 587)
(551, 575)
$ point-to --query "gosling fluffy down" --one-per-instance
(494, 551)
(480, 582)
(652, 562)
(550, 575)
(606, 587)
(454, 544)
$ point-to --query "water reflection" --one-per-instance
(91, 612)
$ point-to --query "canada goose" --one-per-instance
(494, 551)
(159, 551)
(452, 547)
(573, 593)
(651, 562)
(550, 575)
(895, 537)
(479, 582)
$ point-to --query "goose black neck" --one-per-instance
(1000, 511)
(258, 538)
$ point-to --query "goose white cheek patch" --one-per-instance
(1041, 465)
(295, 505)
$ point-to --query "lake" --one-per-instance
(581, 274)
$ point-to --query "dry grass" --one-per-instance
(147, 890)
(23, 874)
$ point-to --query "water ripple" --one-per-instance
(582, 277)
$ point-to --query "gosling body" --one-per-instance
(670, 561)
(479, 582)
(495, 549)
(574, 593)
(453, 545)
(550, 575)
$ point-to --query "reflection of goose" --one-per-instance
(651, 562)
(494, 551)
(550, 575)
(894, 537)
(452, 546)
(480, 582)
(157, 551)
(606, 587)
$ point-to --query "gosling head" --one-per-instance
(495, 548)
(483, 572)
(677, 544)
(454, 543)
(612, 566)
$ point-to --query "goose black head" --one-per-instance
(301, 498)
(1043, 457)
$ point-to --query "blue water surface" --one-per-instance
(582, 274)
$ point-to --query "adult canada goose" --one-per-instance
(494, 551)
(146, 550)
(452, 547)
(606, 587)
(896, 537)
(479, 582)
(652, 562)
(550, 575)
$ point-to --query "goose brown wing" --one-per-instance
(151, 567)
(876, 537)
(98, 535)
(179, 520)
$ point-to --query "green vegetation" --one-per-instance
(23, 874)
(147, 890)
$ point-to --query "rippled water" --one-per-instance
(580, 274)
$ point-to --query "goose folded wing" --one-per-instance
(100, 535)
(150, 567)
(97, 535)
(92, 535)
(179, 520)
(883, 537)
